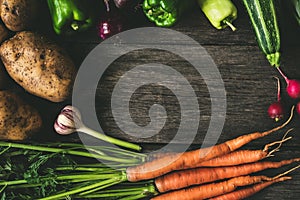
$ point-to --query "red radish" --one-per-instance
(293, 86)
(298, 108)
(276, 110)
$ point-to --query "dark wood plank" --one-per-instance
(248, 79)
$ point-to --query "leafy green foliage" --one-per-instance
(35, 171)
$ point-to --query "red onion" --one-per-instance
(111, 23)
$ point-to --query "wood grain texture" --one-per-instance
(248, 80)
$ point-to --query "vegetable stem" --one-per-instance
(66, 151)
(109, 139)
(283, 75)
(8, 183)
(101, 185)
(233, 28)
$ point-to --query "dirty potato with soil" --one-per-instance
(40, 66)
(3, 77)
(19, 15)
(4, 33)
(18, 121)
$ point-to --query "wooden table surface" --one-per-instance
(248, 80)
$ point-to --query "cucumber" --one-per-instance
(263, 18)
(295, 9)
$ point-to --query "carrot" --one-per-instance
(190, 159)
(243, 156)
(154, 156)
(212, 189)
(234, 158)
(216, 189)
(185, 178)
(247, 192)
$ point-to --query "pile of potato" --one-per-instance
(37, 64)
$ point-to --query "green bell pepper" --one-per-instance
(220, 13)
(69, 16)
(166, 13)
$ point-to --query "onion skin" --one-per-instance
(110, 24)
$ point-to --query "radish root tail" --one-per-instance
(283, 125)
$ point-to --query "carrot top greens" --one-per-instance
(55, 171)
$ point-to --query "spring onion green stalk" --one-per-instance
(59, 171)
(69, 121)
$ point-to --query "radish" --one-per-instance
(276, 110)
(298, 108)
(293, 86)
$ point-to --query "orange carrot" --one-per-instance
(212, 189)
(243, 156)
(234, 158)
(190, 159)
(249, 191)
(185, 178)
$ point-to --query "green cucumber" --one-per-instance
(263, 17)
(295, 9)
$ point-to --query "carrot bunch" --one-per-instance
(217, 173)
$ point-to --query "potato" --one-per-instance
(19, 15)
(3, 33)
(3, 77)
(18, 121)
(38, 65)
